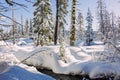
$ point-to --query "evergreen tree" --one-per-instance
(107, 25)
(26, 28)
(56, 23)
(62, 52)
(80, 30)
(118, 28)
(113, 28)
(31, 28)
(101, 9)
(62, 14)
(14, 32)
(61, 11)
(89, 32)
(22, 27)
(42, 21)
(73, 22)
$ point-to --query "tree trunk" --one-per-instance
(73, 18)
(56, 25)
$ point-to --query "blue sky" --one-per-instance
(112, 5)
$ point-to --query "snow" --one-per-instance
(21, 72)
(81, 60)
(12, 69)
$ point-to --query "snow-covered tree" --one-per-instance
(14, 32)
(26, 28)
(62, 15)
(62, 51)
(42, 21)
(107, 25)
(61, 11)
(22, 27)
(73, 22)
(113, 28)
(80, 30)
(110, 53)
(89, 35)
(112, 49)
(118, 28)
(101, 9)
(31, 29)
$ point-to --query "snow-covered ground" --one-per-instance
(12, 69)
(81, 60)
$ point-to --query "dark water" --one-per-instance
(69, 77)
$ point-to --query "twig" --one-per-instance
(115, 46)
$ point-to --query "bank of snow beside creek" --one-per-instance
(80, 60)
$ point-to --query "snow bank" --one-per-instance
(11, 69)
(10, 58)
(25, 41)
(19, 73)
(79, 60)
(82, 64)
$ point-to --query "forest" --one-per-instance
(58, 41)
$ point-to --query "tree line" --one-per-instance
(47, 30)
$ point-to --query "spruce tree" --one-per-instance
(89, 32)
(73, 22)
(42, 21)
(80, 30)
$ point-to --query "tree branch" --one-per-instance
(10, 19)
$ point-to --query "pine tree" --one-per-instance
(14, 32)
(89, 32)
(73, 22)
(100, 13)
(80, 30)
(61, 11)
(26, 28)
(42, 21)
(31, 29)
(22, 27)
(62, 15)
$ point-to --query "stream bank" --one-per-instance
(69, 77)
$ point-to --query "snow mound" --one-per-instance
(25, 41)
(105, 70)
(48, 57)
(19, 73)
(21, 43)
(11, 69)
